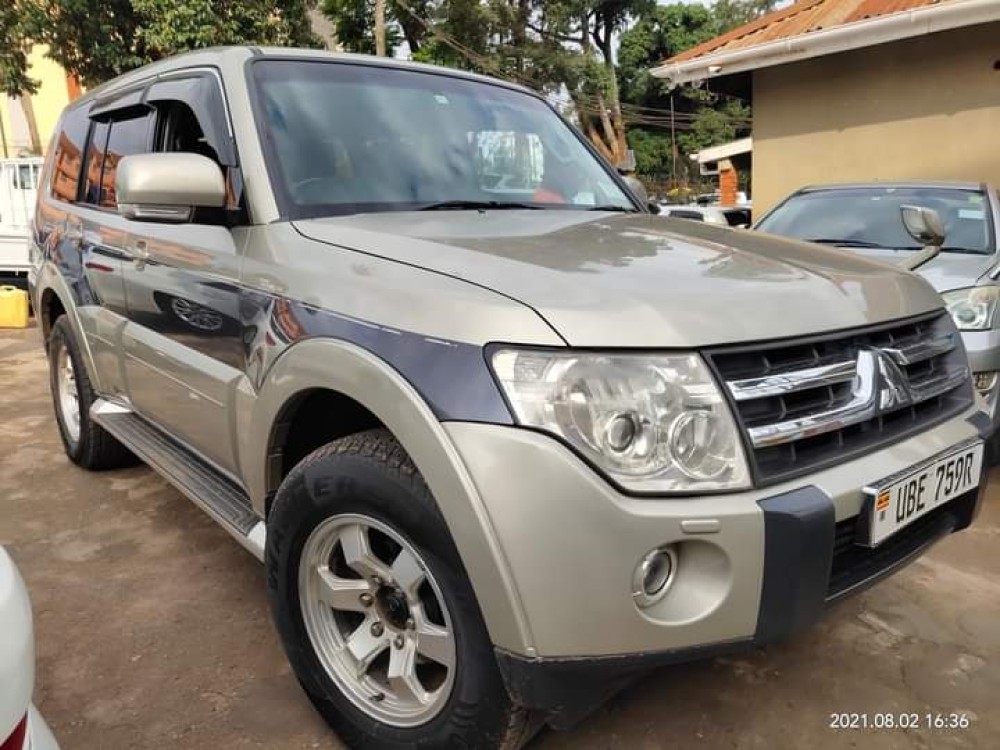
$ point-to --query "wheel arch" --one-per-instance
(55, 300)
(352, 375)
(50, 309)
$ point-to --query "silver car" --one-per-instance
(865, 219)
(503, 439)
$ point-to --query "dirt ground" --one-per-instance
(152, 627)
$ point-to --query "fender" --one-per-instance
(357, 373)
(49, 279)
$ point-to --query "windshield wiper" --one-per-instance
(465, 205)
(842, 243)
(613, 207)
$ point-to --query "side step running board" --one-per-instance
(208, 488)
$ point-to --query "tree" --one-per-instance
(354, 22)
(732, 13)
(661, 33)
(14, 48)
(556, 46)
(654, 110)
(99, 39)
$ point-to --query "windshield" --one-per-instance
(350, 138)
(869, 217)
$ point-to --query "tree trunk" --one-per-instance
(589, 124)
(603, 139)
(520, 34)
(380, 28)
(617, 122)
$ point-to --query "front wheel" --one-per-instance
(374, 608)
(86, 443)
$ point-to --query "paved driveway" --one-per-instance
(152, 628)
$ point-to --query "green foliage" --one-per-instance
(653, 151)
(355, 24)
(662, 33)
(732, 13)
(169, 26)
(14, 48)
(99, 39)
(701, 118)
(714, 125)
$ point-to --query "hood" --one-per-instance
(945, 272)
(636, 280)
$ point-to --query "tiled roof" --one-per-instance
(801, 18)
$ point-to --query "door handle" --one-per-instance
(138, 251)
(73, 232)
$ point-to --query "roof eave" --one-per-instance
(867, 33)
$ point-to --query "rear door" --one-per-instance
(183, 348)
(86, 241)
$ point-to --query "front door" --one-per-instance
(182, 346)
(183, 353)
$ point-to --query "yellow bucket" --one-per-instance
(13, 307)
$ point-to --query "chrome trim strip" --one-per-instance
(860, 408)
(922, 350)
(796, 380)
(939, 385)
(863, 405)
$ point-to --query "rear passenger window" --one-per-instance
(68, 156)
(95, 163)
(127, 137)
(109, 143)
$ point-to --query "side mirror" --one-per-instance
(168, 187)
(637, 188)
(923, 224)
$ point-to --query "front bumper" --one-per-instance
(753, 566)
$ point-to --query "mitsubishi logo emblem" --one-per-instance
(880, 381)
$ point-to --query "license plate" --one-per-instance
(902, 498)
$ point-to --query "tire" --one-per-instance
(368, 481)
(86, 443)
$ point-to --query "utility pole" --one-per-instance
(673, 143)
(380, 28)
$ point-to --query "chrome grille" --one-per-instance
(807, 403)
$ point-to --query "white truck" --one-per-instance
(18, 187)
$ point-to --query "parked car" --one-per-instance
(865, 219)
(21, 726)
(713, 199)
(729, 217)
(498, 457)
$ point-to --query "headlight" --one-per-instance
(973, 309)
(651, 423)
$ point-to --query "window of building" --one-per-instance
(68, 156)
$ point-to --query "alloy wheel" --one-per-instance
(377, 620)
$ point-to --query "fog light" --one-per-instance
(653, 576)
(985, 381)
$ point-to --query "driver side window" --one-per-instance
(178, 131)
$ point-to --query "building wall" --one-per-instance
(53, 94)
(925, 108)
